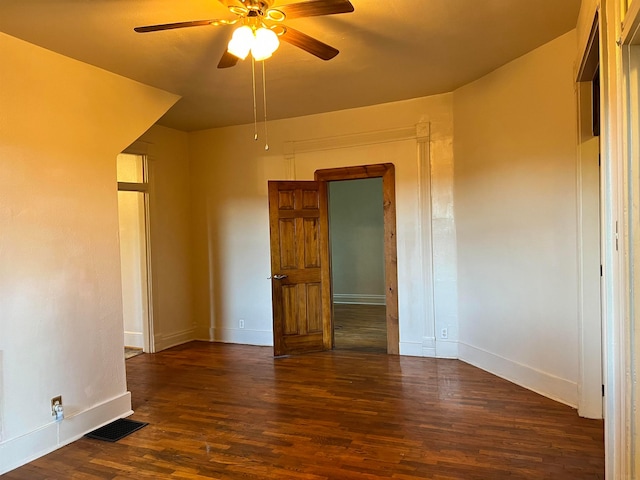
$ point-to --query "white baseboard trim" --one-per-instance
(359, 299)
(411, 349)
(555, 388)
(590, 406)
(245, 336)
(429, 347)
(164, 341)
(18, 451)
(133, 339)
(446, 349)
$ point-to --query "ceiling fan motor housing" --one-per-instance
(260, 6)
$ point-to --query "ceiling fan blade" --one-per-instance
(309, 44)
(170, 26)
(313, 8)
(227, 60)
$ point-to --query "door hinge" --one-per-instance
(616, 235)
(601, 270)
(603, 390)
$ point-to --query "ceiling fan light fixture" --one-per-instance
(261, 43)
(241, 42)
(266, 42)
(252, 15)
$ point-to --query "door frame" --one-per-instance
(143, 187)
(386, 171)
(590, 240)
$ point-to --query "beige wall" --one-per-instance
(62, 123)
(230, 211)
(515, 198)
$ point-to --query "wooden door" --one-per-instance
(300, 269)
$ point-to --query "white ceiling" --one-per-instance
(389, 50)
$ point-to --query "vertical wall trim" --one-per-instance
(150, 327)
(617, 446)
(632, 72)
(212, 269)
(290, 160)
(425, 233)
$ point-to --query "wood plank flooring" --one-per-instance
(234, 412)
(360, 327)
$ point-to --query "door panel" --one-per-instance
(311, 243)
(314, 308)
(287, 243)
(300, 269)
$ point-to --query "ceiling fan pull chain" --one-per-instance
(255, 114)
(264, 99)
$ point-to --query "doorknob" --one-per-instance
(277, 277)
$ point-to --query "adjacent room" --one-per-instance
(400, 245)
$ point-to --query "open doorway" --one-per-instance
(134, 253)
(386, 174)
(356, 238)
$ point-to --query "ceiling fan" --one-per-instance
(262, 17)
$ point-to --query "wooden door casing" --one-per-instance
(386, 171)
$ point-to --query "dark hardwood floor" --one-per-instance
(234, 412)
(360, 328)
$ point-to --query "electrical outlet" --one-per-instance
(56, 408)
(444, 333)
(241, 323)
